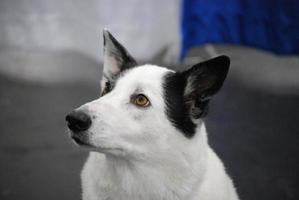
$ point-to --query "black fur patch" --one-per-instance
(176, 108)
(107, 88)
(187, 93)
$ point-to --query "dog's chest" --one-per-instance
(123, 183)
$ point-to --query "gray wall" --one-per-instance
(61, 40)
(143, 26)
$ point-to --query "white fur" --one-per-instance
(139, 155)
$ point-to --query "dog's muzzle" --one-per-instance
(78, 121)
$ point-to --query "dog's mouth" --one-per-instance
(81, 142)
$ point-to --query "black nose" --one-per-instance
(78, 121)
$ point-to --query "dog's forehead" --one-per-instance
(144, 75)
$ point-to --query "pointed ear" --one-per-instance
(205, 79)
(116, 57)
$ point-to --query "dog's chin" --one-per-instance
(110, 151)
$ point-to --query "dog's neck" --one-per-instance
(170, 176)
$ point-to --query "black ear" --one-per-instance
(116, 57)
(206, 78)
(187, 93)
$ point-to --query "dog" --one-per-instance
(146, 134)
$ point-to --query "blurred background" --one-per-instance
(51, 62)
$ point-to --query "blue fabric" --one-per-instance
(267, 24)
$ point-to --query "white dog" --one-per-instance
(146, 134)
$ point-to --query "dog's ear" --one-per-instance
(203, 80)
(116, 57)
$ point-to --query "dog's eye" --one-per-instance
(106, 89)
(140, 100)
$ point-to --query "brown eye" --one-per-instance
(106, 89)
(104, 92)
(141, 100)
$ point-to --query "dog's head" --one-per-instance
(145, 108)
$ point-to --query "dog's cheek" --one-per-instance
(134, 131)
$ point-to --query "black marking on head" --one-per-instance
(187, 93)
(108, 87)
(176, 107)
